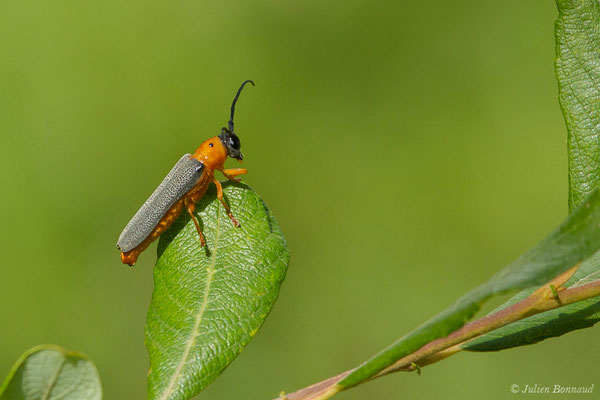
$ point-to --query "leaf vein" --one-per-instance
(195, 331)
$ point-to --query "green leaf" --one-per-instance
(578, 74)
(209, 302)
(577, 32)
(583, 314)
(575, 240)
(51, 372)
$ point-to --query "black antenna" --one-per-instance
(233, 104)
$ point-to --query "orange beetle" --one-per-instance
(184, 186)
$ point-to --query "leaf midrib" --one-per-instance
(195, 331)
(52, 382)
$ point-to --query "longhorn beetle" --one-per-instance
(184, 186)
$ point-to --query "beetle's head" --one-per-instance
(228, 137)
(213, 153)
(231, 141)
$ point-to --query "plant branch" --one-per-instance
(550, 296)
(543, 299)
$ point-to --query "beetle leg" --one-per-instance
(232, 173)
(191, 207)
(220, 197)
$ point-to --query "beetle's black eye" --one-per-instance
(235, 142)
(211, 145)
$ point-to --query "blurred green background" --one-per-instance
(408, 150)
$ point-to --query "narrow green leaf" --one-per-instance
(577, 32)
(575, 240)
(51, 373)
(209, 302)
(583, 314)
